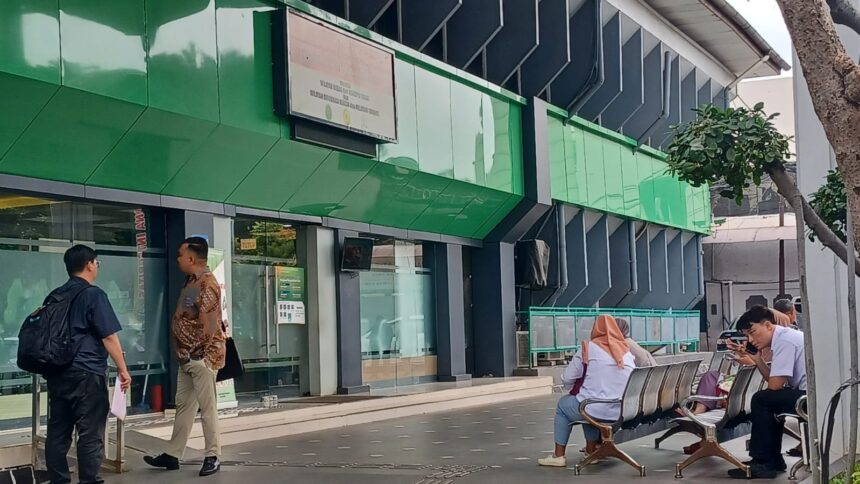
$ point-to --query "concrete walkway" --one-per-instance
(496, 443)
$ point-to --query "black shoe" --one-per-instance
(757, 471)
(163, 461)
(211, 465)
(779, 466)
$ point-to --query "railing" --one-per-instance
(561, 329)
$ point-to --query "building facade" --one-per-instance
(132, 125)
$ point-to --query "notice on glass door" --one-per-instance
(290, 295)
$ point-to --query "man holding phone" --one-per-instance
(786, 383)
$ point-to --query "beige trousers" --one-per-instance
(195, 389)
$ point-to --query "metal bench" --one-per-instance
(651, 395)
(719, 425)
(802, 419)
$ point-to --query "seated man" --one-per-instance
(785, 306)
(786, 383)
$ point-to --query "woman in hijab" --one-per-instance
(641, 355)
(604, 365)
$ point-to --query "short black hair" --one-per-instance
(77, 258)
(783, 306)
(755, 314)
(198, 246)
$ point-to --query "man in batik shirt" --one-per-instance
(198, 338)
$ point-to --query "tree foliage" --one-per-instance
(830, 202)
(732, 145)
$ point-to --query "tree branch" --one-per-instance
(845, 12)
(788, 189)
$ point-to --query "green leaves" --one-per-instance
(733, 145)
(830, 202)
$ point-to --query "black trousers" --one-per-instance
(76, 399)
(766, 438)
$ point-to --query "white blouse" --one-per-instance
(603, 380)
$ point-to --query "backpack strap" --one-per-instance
(62, 296)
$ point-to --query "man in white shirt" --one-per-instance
(786, 383)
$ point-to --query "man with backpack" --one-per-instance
(78, 394)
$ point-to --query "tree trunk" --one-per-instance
(788, 189)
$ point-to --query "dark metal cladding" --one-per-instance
(470, 29)
(420, 20)
(632, 85)
(652, 75)
(514, 42)
(553, 50)
(611, 87)
(366, 12)
(575, 76)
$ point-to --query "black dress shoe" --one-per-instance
(779, 466)
(757, 471)
(163, 461)
(211, 465)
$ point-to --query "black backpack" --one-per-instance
(45, 339)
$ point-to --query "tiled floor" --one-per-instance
(495, 444)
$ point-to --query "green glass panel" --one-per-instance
(476, 213)
(281, 172)
(498, 163)
(405, 152)
(630, 181)
(445, 208)
(706, 201)
(594, 171)
(667, 192)
(557, 160)
(501, 212)
(183, 74)
(690, 195)
(217, 167)
(613, 178)
(467, 113)
(30, 39)
(516, 138)
(70, 136)
(21, 101)
(244, 66)
(373, 193)
(574, 153)
(329, 184)
(411, 201)
(648, 204)
(103, 48)
(435, 144)
(152, 151)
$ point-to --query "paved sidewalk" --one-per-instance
(494, 444)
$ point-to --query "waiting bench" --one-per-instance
(649, 404)
(649, 400)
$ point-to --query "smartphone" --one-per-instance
(751, 349)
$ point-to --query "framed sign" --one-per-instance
(339, 79)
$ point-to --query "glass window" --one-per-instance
(34, 234)
(272, 352)
(398, 322)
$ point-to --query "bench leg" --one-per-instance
(710, 448)
(792, 476)
(608, 449)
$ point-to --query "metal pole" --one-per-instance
(852, 334)
(812, 402)
(781, 251)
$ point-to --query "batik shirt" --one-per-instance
(197, 330)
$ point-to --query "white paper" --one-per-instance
(118, 406)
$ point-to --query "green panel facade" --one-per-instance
(175, 98)
(602, 170)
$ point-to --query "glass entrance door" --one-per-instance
(268, 336)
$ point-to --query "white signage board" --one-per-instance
(340, 79)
